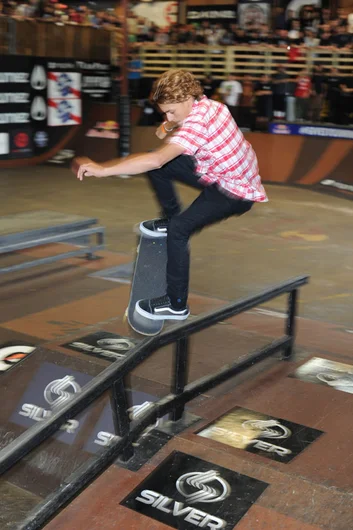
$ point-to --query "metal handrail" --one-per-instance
(113, 377)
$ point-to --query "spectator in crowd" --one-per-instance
(342, 39)
(310, 40)
(231, 91)
(318, 92)
(209, 85)
(302, 94)
(346, 101)
(280, 81)
(294, 35)
(325, 37)
(246, 118)
(263, 93)
(135, 74)
(333, 82)
(279, 19)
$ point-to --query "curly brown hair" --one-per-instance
(175, 86)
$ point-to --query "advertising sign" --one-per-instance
(328, 373)
(42, 99)
(259, 433)
(104, 431)
(214, 14)
(12, 353)
(187, 492)
(49, 389)
(103, 344)
(322, 131)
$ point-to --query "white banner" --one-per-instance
(161, 13)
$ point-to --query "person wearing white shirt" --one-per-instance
(231, 91)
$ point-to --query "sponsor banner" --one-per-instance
(42, 99)
(328, 373)
(187, 492)
(103, 344)
(261, 434)
(12, 353)
(311, 130)
(104, 430)
(21, 142)
(50, 388)
(96, 80)
(64, 98)
(163, 14)
(216, 13)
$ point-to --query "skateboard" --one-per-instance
(148, 281)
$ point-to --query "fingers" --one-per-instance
(83, 171)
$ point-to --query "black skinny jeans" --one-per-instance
(209, 207)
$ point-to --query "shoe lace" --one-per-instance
(160, 301)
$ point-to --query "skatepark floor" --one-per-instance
(299, 231)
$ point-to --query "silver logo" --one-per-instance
(195, 487)
(116, 344)
(269, 428)
(60, 390)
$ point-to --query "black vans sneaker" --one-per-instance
(160, 309)
(155, 227)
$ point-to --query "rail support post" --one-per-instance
(181, 354)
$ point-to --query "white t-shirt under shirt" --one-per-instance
(231, 91)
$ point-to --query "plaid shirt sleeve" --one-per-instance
(192, 135)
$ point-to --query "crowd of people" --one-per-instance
(316, 96)
(324, 93)
(312, 27)
(319, 97)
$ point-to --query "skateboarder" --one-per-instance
(204, 149)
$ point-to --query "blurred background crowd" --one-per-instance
(322, 93)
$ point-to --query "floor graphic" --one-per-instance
(103, 344)
(325, 372)
(185, 492)
(258, 433)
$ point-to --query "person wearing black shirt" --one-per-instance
(325, 39)
(263, 93)
(318, 92)
(280, 81)
(333, 82)
(208, 85)
(342, 37)
(346, 101)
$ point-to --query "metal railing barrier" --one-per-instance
(112, 378)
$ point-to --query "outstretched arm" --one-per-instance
(130, 165)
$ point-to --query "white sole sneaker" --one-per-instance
(146, 314)
(151, 233)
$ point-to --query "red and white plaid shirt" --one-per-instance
(222, 154)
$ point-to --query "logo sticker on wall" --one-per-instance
(38, 78)
(12, 354)
(38, 109)
(103, 344)
(258, 433)
(187, 492)
(64, 98)
(328, 373)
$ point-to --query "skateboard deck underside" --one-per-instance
(149, 281)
